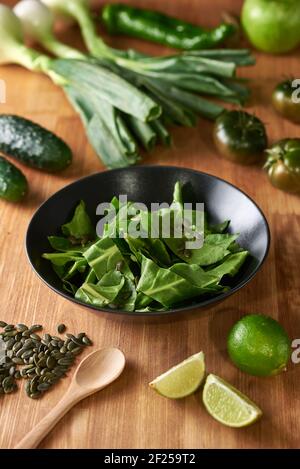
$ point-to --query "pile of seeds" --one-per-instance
(42, 361)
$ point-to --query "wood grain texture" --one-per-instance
(128, 414)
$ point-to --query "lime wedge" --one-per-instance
(228, 405)
(181, 380)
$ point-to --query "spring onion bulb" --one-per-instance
(13, 49)
(38, 24)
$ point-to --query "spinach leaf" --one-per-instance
(61, 258)
(91, 277)
(127, 296)
(152, 248)
(59, 243)
(220, 227)
(163, 285)
(231, 265)
(196, 275)
(104, 255)
(80, 227)
(142, 301)
(214, 249)
(104, 292)
(78, 266)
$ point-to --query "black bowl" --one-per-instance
(149, 184)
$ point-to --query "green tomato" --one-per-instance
(240, 137)
(283, 165)
(272, 25)
(284, 101)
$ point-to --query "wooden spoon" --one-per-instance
(96, 371)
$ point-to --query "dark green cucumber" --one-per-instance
(13, 183)
(33, 145)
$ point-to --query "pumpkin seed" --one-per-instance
(34, 384)
(27, 387)
(35, 395)
(35, 328)
(87, 341)
(17, 346)
(27, 354)
(17, 361)
(43, 387)
(35, 337)
(61, 328)
(71, 346)
(65, 361)
(51, 362)
(42, 362)
(10, 343)
(11, 333)
(54, 343)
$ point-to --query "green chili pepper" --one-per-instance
(163, 29)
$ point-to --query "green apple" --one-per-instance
(272, 25)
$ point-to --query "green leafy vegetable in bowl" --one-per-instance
(150, 272)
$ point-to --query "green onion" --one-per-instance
(126, 98)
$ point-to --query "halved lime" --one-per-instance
(228, 405)
(181, 380)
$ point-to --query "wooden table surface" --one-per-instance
(128, 414)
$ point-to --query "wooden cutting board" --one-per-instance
(128, 414)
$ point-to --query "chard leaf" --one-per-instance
(214, 249)
(78, 266)
(142, 301)
(231, 265)
(163, 285)
(80, 227)
(151, 248)
(70, 287)
(196, 275)
(91, 277)
(220, 227)
(61, 258)
(104, 292)
(59, 243)
(127, 296)
(104, 255)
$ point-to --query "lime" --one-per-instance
(259, 345)
(228, 405)
(181, 380)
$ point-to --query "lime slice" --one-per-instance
(228, 405)
(181, 380)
